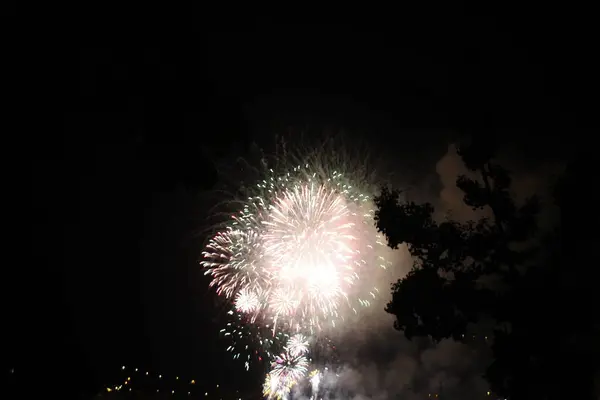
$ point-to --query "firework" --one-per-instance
(275, 387)
(231, 256)
(297, 345)
(289, 367)
(247, 301)
(252, 344)
(296, 253)
(299, 254)
(310, 251)
(315, 381)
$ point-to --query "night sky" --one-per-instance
(145, 110)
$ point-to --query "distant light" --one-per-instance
(206, 394)
(136, 370)
(108, 389)
(160, 377)
(123, 367)
(146, 372)
(177, 378)
(193, 382)
(488, 392)
(128, 378)
(172, 391)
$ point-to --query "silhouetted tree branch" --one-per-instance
(542, 309)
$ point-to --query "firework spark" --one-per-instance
(287, 369)
(297, 345)
(300, 254)
(296, 253)
(309, 249)
(247, 301)
(230, 256)
(251, 343)
(276, 388)
(315, 381)
(291, 367)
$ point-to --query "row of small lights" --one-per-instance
(118, 388)
(193, 382)
(474, 337)
(436, 395)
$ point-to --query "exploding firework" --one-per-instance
(276, 388)
(311, 251)
(287, 370)
(252, 344)
(290, 367)
(231, 256)
(247, 301)
(315, 381)
(299, 254)
(297, 345)
(296, 253)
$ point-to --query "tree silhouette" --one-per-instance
(539, 309)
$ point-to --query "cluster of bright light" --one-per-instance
(315, 381)
(297, 345)
(288, 368)
(276, 388)
(251, 342)
(310, 252)
(293, 255)
(301, 253)
(173, 385)
(247, 301)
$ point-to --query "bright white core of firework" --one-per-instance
(297, 345)
(292, 256)
(247, 301)
(310, 248)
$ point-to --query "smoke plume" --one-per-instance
(379, 362)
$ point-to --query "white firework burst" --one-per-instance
(297, 345)
(247, 301)
(303, 249)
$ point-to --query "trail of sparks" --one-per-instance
(301, 254)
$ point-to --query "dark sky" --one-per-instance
(145, 106)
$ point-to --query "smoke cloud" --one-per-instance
(379, 362)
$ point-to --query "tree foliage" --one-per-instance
(443, 294)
